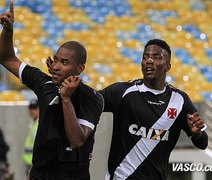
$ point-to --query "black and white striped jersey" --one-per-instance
(146, 127)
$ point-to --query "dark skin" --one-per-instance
(65, 74)
(155, 64)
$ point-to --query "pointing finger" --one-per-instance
(11, 7)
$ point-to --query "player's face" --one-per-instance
(64, 65)
(154, 63)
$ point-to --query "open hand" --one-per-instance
(49, 62)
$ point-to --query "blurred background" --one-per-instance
(114, 33)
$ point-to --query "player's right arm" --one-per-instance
(7, 54)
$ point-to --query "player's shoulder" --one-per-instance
(87, 89)
(126, 84)
(175, 89)
(89, 92)
(31, 73)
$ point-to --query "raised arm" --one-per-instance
(7, 54)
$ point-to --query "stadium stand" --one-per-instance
(120, 28)
(10, 95)
(114, 33)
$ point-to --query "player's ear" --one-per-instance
(80, 68)
(168, 66)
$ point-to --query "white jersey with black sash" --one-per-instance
(146, 127)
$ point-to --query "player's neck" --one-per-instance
(155, 85)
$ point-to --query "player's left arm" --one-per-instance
(75, 132)
(197, 127)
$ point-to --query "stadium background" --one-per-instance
(114, 33)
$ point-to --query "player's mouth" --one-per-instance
(55, 75)
(149, 70)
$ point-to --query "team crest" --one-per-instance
(172, 113)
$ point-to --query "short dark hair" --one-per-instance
(159, 42)
(33, 104)
(79, 51)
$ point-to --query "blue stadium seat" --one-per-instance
(133, 54)
(98, 10)
(207, 96)
(184, 56)
(197, 6)
(102, 68)
(209, 52)
(208, 75)
(194, 30)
